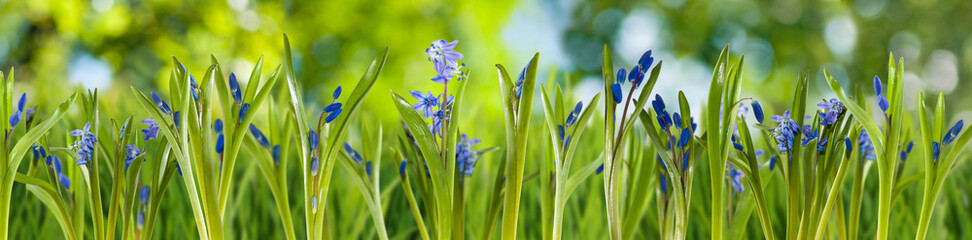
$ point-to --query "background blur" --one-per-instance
(58, 46)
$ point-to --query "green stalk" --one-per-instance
(884, 203)
(831, 198)
(414, 206)
(511, 206)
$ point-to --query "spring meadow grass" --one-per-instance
(222, 156)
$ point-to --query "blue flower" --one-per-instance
(333, 107)
(735, 177)
(332, 115)
(218, 125)
(757, 111)
(65, 181)
(442, 54)
(436, 126)
(220, 143)
(235, 89)
(401, 168)
(337, 93)
(354, 154)
(685, 137)
(131, 152)
(883, 103)
(425, 102)
(785, 132)
(161, 103)
(809, 134)
(616, 92)
(144, 195)
(84, 146)
(466, 156)
(936, 150)
(877, 85)
(262, 139)
(275, 153)
(621, 76)
(243, 109)
(15, 117)
(832, 109)
(152, 131)
(865, 145)
(312, 139)
(952, 133)
(450, 71)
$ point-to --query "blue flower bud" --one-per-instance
(622, 75)
(312, 140)
(635, 74)
(646, 61)
(952, 133)
(175, 117)
(616, 92)
(578, 108)
(276, 154)
(218, 125)
(401, 168)
(333, 107)
(235, 88)
(848, 146)
(65, 181)
(757, 111)
(219, 143)
(877, 85)
(15, 118)
(314, 163)
(22, 102)
(936, 150)
(599, 169)
(337, 93)
(658, 104)
(243, 109)
(686, 136)
(883, 103)
(331, 116)
(143, 195)
(163, 106)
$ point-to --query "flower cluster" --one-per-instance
(635, 76)
(151, 131)
(357, 158)
(785, 132)
(445, 62)
(85, 145)
(466, 156)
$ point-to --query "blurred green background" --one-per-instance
(59, 46)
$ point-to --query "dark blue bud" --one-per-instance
(314, 165)
(616, 92)
(65, 181)
(877, 85)
(143, 195)
(772, 162)
(337, 93)
(910, 145)
(15, 118)
(658, 104)
(164, 107)
(276, 154)
(849, 146)
(219, 144)
(312, 139)
(677, 118)
(578, 108)
(235, 89)
(331, 116)
(952, 133)
(646, 61)
(757, 111)
(634, 74)
(401, 168)
(599, 169)
(622, 75)
(22, 102)
(332, 107)
(883, 103)
(218, 125)
(661, 163)
(243, 109)
(685, 137)
(175, 117)
(737, 146)
(368, 168)
(560, 130)
(936, 150)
